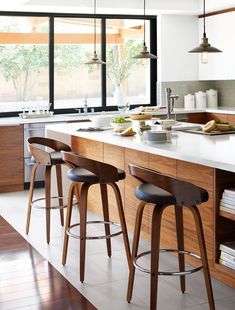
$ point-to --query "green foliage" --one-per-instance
(120, 119)
(70, 57)
(22, 64)
(119, 66)
(18, 61)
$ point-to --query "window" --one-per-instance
(24, 80)
(43, 56)
(131, 76)
(74, 80)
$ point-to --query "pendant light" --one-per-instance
(204, 48)
(144, 53)
(95, 60)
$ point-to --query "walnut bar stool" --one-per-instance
(86, 172)
(163, 191)
(42, 157)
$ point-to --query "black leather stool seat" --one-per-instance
(85, 176)
(153, 194)
(56, 158)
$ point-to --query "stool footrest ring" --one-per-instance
(38, 206)
(68, 231)
(169, 273)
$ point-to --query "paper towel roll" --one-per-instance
(212, 98)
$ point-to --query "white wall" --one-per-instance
(177, 35)
(220, 31)
(212, 5)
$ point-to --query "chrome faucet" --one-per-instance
(170, 101)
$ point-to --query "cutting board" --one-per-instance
(211, 133)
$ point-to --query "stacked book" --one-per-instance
(227, 202)
(227, 255)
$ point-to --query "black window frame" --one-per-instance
(103, 17)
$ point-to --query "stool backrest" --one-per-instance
(40, 155)
(106, 173)
(185, 193)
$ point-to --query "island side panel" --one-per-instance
(131, 202)
(203, 177)
(114, 155)
(167, 166)
(94, 150)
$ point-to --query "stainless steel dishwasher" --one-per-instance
(33, 130)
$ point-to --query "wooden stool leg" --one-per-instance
(68, 221)
(48, 201)
(31, 188)
(180, 242)
(202, 246)
(136, 238)
(77, 193)
(122, 221)
(60, 192)
(104, 196)
(155, 248)
(83, 219)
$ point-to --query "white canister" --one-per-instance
(189, 102)
(212, 98)
(200, 97)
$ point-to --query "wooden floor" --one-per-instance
(28, 281)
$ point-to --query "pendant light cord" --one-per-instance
(94, 26)
(144, 24)
(204, 18)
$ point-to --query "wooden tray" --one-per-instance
(211, 133)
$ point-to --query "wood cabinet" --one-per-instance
(197, 118)
(217, 117)
(12, 158)
(202, 118)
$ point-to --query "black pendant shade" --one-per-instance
(205, 47)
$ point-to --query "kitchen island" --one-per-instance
(207, 161)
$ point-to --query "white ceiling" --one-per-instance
(191, 7)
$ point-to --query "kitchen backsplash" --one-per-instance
(226, 91)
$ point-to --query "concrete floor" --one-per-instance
(106, 278)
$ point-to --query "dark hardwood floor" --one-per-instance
(30, 282)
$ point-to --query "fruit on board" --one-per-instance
(209, 126)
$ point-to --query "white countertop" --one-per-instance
(212, 151)
(5, 121)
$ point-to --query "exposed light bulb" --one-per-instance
(204, 57)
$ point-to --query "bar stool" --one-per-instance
(87, 172)
(42, 157)
(163, 191)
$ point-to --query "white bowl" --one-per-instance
(119, 126)
(101, 120)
